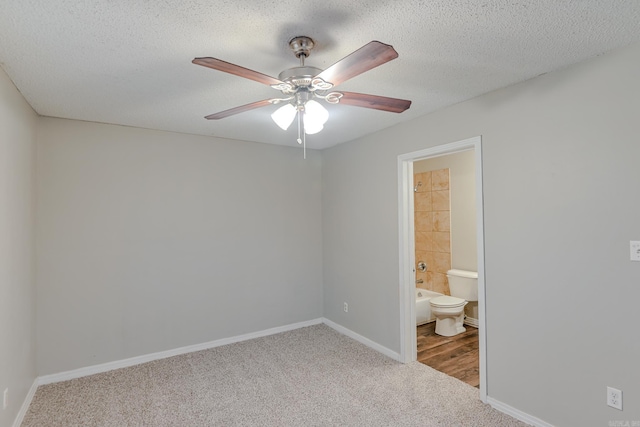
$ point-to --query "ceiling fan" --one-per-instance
(301, 86)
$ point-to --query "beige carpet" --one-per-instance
(312, 376)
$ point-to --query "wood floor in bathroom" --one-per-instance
(456, 356)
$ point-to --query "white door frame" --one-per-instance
(408, 350)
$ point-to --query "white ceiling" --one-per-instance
(128, 62)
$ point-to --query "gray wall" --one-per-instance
(149, 241)
(462, 190)
(17, 253)
(560, 173)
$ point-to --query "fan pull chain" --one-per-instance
(299, 127)
(302, 136)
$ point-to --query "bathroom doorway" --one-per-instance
(466, 253)
(445, 239)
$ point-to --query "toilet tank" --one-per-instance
(463, 284)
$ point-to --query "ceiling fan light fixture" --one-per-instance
(284, 116)
(315, 116)
(316, 112)
(312, 128)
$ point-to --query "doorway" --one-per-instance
(407, 248)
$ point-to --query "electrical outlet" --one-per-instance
(614, 398)
(5, 399)
(346, 307)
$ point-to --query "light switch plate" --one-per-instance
(635, 250)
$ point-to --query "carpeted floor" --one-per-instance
(311, 376)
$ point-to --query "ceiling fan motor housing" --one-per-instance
(299, 76)
(301, 46)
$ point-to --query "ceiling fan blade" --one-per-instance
(364, 59)
(376, 102)
(240, 109)
(227, 67)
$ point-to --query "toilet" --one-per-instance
(449, 310)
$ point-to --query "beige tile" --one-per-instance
(439, 283)
(441, 241)
(441, 221)
(440, 200)
(441, 262)
(436, 283)
(425, 179)
(422, 201)
(428, 281)
(423, 241)
(440, 180)
(431, 261)
(446, 285)
(423, 221)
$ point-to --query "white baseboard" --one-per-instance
(516, 413)
(499, 406)
(105, 367)
(366, 341)
(471, 322)
(124, 363)
(25, 404)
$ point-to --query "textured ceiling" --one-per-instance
(128, 62)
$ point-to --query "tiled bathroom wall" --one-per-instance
(433, 229)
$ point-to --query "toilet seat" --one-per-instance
(447, 301)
